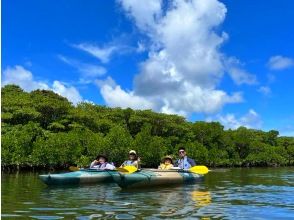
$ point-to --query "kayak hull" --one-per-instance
(153, 177)
(77, 177)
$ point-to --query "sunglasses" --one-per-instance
(181, 151)
(132, 154)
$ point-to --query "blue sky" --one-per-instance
(227, 61)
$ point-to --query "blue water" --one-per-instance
(256, 193)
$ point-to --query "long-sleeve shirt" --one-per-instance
(101, 166)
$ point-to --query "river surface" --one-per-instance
(256, 193)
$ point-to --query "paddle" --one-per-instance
(199, 169)
(73, 168)
(127, 169)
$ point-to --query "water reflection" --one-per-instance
(201, 198)
(226, 194)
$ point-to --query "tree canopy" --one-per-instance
(43, 129)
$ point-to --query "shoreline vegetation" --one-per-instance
(42, 130)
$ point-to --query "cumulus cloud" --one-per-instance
(250, 120)
(24, 78)
(184, 64)
(144, 15)
(102, 53)
(70, 92)
(116, 97)
(280, 62)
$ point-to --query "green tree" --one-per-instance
(150, 148)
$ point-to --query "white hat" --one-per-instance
(132, 152)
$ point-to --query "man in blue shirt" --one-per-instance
(184, 162)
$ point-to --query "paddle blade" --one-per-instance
(199, 169)
(73, 168)
(127, 169)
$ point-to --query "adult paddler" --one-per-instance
(132, 161)
(184, 162)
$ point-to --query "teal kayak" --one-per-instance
(154, 177)
(86, 176)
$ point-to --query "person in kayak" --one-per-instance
(184, 162)
(167, 163)
(101, 163)
(133, 160)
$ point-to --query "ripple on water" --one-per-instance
(9, 215)
(237, 196)
(46, 217)
(124, 216)
(53, 209)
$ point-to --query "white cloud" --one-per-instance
(140, 47)
(240, 76)
(70, 92)
(116, 97)
(249, 120)
(144, 15)
(102, 53)
(184, 65)
(88, 71)
(24, 78)
(280, 62)
(265, 90)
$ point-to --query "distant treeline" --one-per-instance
(43, 129)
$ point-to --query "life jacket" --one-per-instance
(134, 163)
(129, 162)
(165, 166)
(184, 163)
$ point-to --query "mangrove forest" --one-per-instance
(41, 129)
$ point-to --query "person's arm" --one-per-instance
(123, 164)
(93, 164)
(176, 164)
(136, 164)
(191, 162)
(109, 166)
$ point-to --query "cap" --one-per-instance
(132, 152)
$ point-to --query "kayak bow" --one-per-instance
(86, 176)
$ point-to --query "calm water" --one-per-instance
(224, 194)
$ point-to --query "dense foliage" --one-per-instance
(43, 129)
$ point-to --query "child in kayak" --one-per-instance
(132, 161)
(167, 163)
(101, 163)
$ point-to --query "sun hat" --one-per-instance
(168, 157)
(103, 156)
